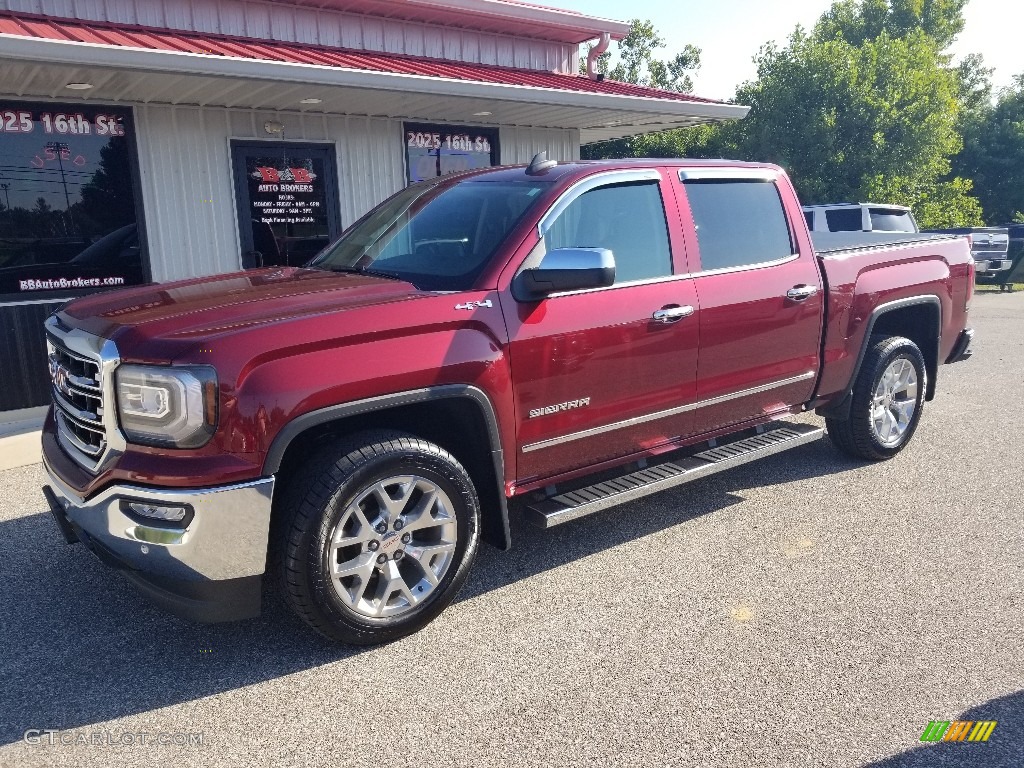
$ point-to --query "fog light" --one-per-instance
(175, 514)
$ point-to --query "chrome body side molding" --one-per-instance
(624, 424)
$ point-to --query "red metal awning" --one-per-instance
(155, 39)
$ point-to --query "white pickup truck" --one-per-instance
(989, 245)
(859, 217)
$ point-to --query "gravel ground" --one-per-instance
(805, 610)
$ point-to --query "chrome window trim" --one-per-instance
(747, 267)
(731, 174)
(590, 183)
(628, 284)
(636, 420)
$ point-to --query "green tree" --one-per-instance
(859, 21)
(637, 64)
(993, 154)
(975, 84)
(864, 106)
(857, 121)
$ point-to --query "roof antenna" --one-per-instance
(540, 164)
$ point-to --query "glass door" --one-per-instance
(287, 201)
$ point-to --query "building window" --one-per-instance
(438, 150)
(68, 218)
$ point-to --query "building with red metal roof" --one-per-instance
(159, 139)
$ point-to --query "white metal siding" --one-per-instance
(277, 21)
(188, 187)
(187, 193)
(519, 145)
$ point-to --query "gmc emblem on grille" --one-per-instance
(59, 374)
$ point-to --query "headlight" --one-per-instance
(174, 407)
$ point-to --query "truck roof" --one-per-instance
(582, 167)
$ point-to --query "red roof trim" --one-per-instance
(150, 38)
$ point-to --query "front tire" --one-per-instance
(380, 532)
(888, 399)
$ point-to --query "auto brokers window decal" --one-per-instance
(68, 218)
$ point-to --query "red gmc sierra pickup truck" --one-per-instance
(547, 341)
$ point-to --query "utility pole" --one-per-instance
(7, 195)
(59, 148)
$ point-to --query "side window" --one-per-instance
(739, 222)
(844, 219)
(627, 219)
(809, 218)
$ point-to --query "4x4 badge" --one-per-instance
(475, 304)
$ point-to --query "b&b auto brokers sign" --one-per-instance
(285, 196)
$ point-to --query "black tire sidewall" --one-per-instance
(433, 465)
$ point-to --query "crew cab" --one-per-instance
(547, 341)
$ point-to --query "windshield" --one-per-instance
(438, 237)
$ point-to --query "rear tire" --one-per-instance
(888, 399)
(379, 533)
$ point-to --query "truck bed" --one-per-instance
(830, 243)
(863, 270)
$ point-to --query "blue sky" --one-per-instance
(729, 32)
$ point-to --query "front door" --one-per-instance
(597, 375)
(287, 201)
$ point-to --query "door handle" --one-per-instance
(801, 292)
(672, 314)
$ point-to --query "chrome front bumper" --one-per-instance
(210, 570)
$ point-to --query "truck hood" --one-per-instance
(168, 318)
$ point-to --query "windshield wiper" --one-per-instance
(367, 271)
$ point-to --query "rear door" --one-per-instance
(760, 294)
(603, 373)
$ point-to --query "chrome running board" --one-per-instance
(570, 505)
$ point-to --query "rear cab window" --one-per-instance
(740, 222)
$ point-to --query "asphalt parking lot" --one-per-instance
(809, 610)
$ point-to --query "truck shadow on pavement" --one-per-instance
(1004, 749)
(535, 550)
(82, 646)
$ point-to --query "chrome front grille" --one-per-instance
(983, 247)
(81, 367)
(78, 398)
